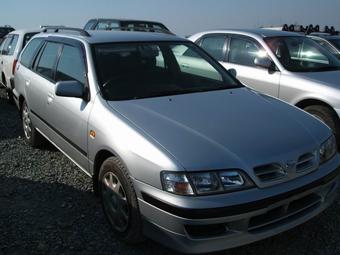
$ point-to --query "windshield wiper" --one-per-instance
(183, 91)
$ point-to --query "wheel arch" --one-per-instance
(100, 157)
(309, 102)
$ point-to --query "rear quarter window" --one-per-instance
(30, 51)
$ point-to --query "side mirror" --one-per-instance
(263, 62)
(233, 72)
(70, 89)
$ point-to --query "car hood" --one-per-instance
(235, 128)
(330, 78)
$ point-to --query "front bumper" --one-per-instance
(186, 225)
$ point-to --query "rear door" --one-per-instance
(68, 116)
(40, 82)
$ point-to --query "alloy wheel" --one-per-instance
(115, 202)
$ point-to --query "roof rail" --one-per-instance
(46, 26)
(142, 29)
(56, 29)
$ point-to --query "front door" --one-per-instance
(241, 57)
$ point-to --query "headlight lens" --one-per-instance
(328, 149)
(176, 183)
(203, 183)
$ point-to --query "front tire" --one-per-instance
(32, 136)
(328, 116)
(119, 201)
(10, 98)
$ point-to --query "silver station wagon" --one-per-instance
(286, 65)
(190, 158)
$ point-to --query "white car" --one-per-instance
(10, 49)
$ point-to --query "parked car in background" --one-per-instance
(4, 30)
(193, 160)
(126, 25)
(13, 43)
(330, 42)
(285, 65)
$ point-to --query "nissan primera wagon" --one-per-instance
(190, 158)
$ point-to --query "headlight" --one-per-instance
(328, 149)
(176, 183)
(203, 183)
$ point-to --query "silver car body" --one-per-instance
(292, 87)
(7, 61)
(237, 129)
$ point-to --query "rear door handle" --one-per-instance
(27, 82)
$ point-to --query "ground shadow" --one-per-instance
(55, 218)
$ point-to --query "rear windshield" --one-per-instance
(27, 37)
(140, 70)
(336, 42)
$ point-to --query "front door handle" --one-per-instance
(50, 98)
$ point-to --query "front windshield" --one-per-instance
(327, 46)
(302, 54)
(150, 69)
(336, 42)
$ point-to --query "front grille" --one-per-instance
(284, 213)
(270, 172)
(290, 169)
(306, 162)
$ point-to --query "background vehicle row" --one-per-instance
(285, 65)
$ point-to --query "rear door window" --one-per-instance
(48, 59)
(71, 65)
(6, 45)
(12, 45)
(214, 45)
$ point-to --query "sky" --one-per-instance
(183, 17)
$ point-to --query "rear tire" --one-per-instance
(328, 116)
(32, 136)
(119, 201)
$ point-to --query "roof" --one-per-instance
(259, 32)
(99, 36)
(25, 31)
